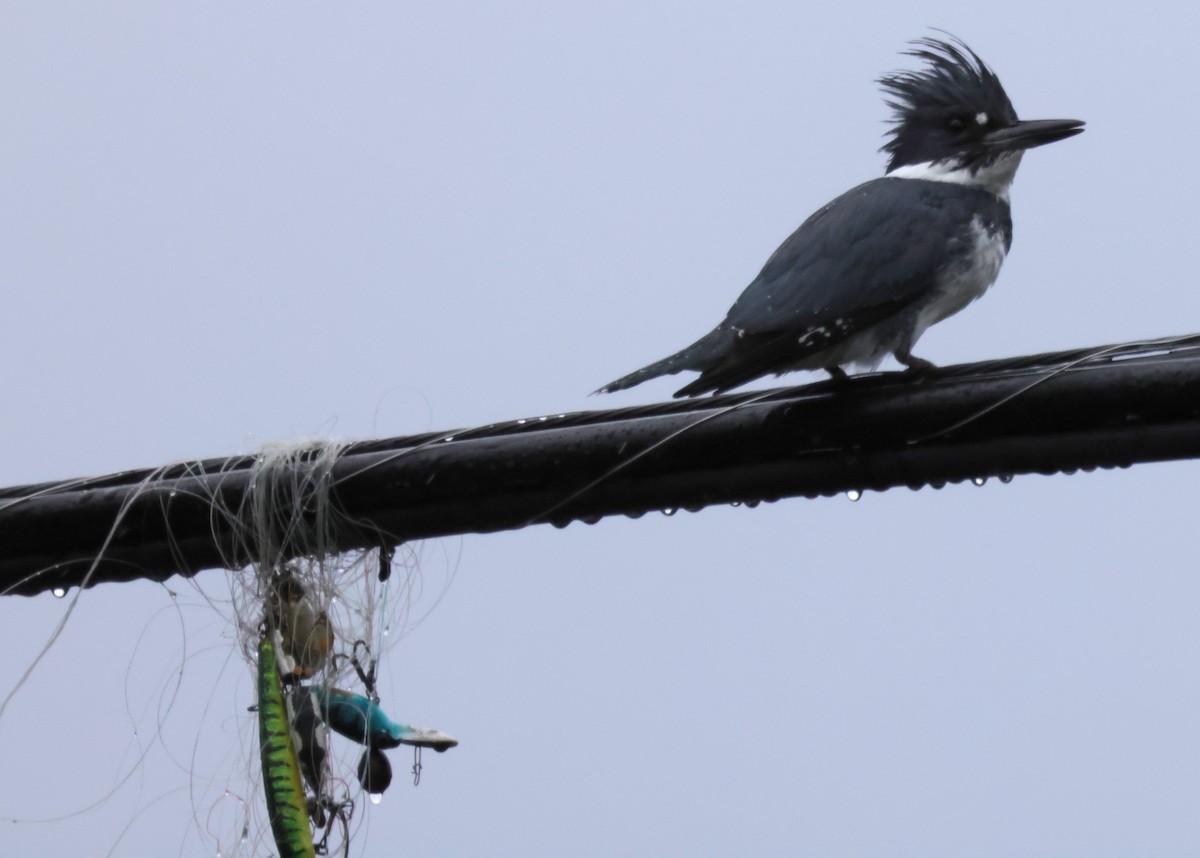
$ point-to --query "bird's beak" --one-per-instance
(1028, 133)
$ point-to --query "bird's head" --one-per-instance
(953, 115)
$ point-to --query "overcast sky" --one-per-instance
(223, 224)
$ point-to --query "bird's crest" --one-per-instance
(954, 81)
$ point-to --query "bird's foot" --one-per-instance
(915, 364)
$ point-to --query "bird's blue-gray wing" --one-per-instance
(863, 258)
(872, 251)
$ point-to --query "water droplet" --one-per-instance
(59, 592)
(1006, 478)
(172, 493)
(376, 797)
(520, 422)
(669, 511)
(853, 495)
(448, 438)
(735, 503)
(386, 629)
(542, 419)
(979, 481)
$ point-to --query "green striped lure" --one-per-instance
(286, 802)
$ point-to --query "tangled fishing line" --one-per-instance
(312, 624)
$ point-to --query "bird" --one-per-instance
(864, 276)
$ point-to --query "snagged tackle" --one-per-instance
(286, 803)
(304, 635)
(374, 771)
(360, 719)
(386, 553)
(310, 738)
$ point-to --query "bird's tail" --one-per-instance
(696, 357)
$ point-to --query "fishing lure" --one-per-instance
(358, 718)
(310, 739)
(303, 633)
(374, 771)
(286, 804)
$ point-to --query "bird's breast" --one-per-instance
(968, 273)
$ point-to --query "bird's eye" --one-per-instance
(956, 124)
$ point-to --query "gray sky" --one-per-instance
(227, 224)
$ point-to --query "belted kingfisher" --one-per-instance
(864, 276)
